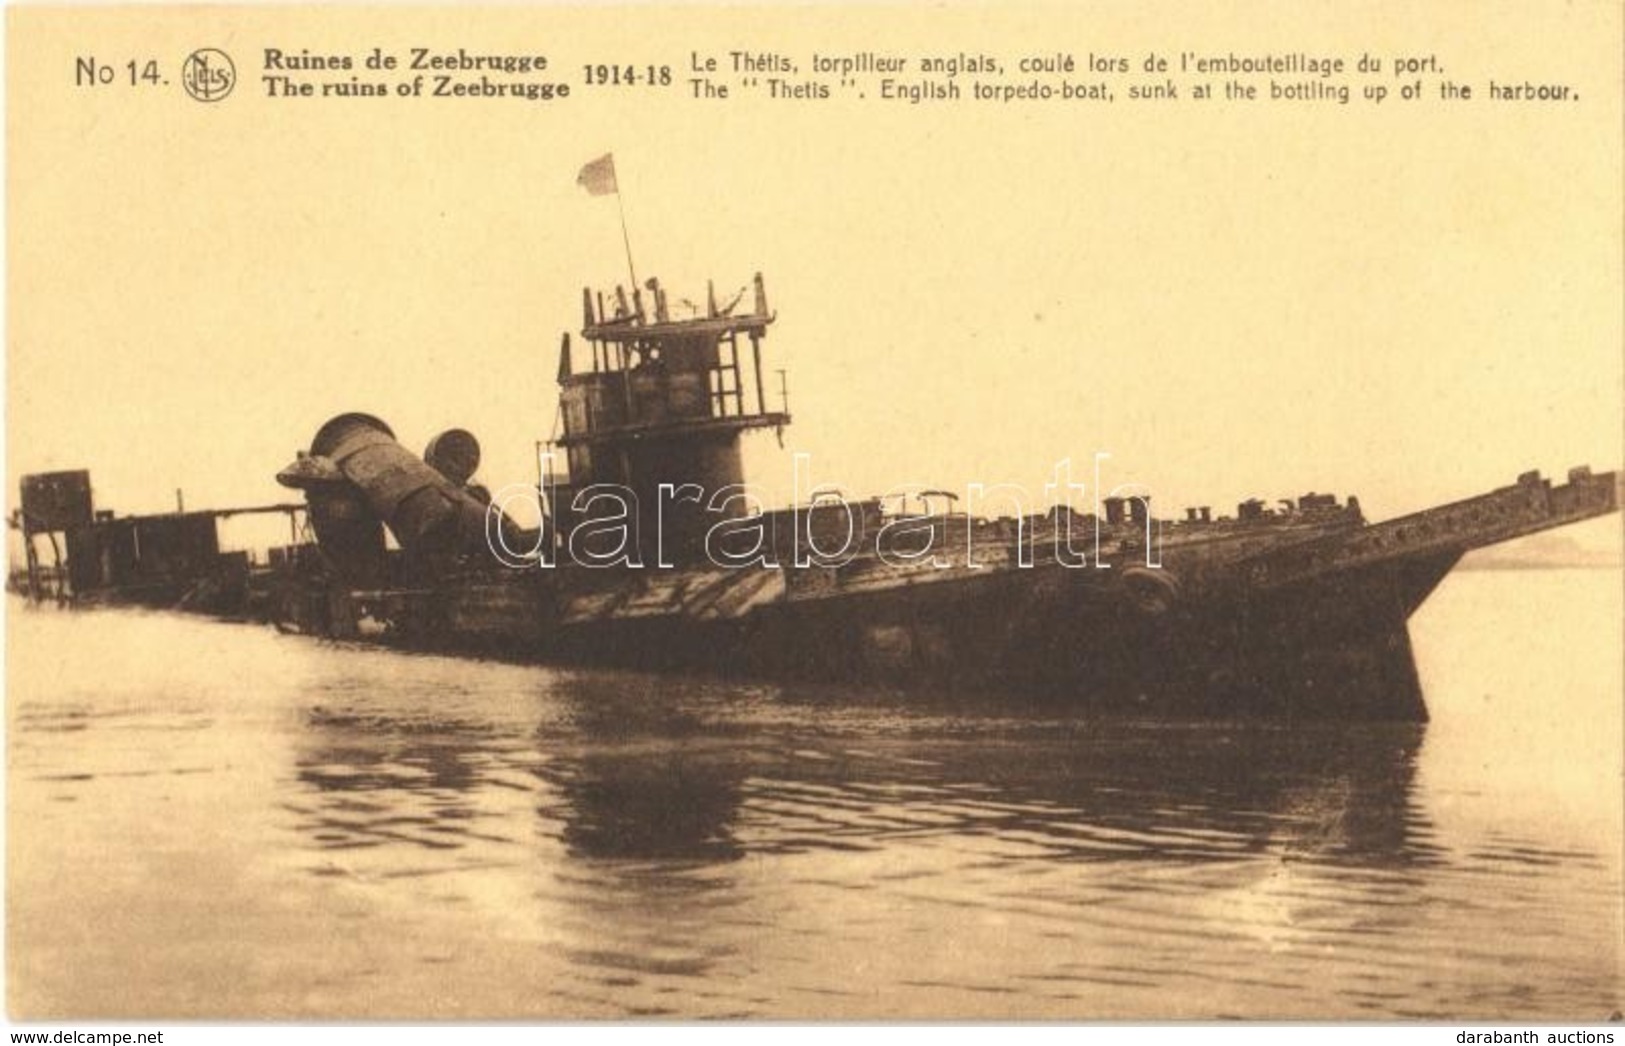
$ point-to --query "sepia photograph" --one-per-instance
(1099, 512)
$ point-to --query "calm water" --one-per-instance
(217, 821)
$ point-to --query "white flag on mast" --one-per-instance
(598, 177)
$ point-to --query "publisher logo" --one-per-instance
(208, 74)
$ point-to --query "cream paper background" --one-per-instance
(1411, 302)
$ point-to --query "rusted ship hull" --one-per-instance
(1287, 618)
(1296, 611)
(1314, 628)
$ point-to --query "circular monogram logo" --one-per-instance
(208, 74)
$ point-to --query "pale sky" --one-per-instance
(1411, 304)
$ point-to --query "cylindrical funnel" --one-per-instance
(455, 454)
(422, 508)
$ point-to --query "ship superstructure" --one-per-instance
(645, 556)
(663, 403)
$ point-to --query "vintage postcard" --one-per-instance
(1083, 512)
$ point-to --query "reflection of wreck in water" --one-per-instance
(669, 803)
(383, 779)
(1300, 611)
(625, 780)
(618, 776)
(642, 827)
(642, 782)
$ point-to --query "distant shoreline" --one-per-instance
(1474, 561)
